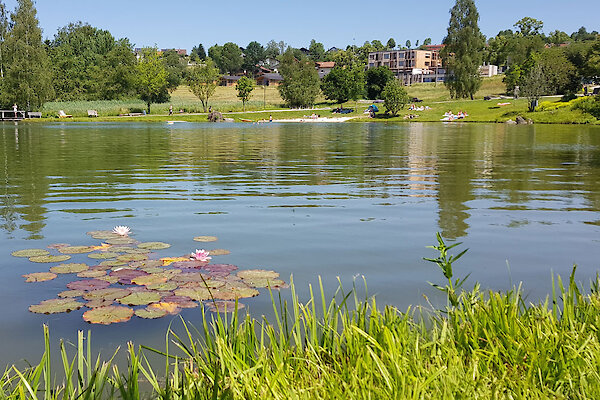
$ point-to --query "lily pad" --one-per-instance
(232, 293)
(220, 267)
(150, 279)
(30, 253)
(219, 252)
(88, 284)
(163, 286)
(49, 259)
(190, 277)
(132, 257)
(154, 245)
(120, 240)
(126, 275)
(55, 306)
(129, 250)
(57, 245)
(222, 306)
(105, 255)
(71, 293)
(39, 277)
(206, 239)
(155, 270)
(108, 315)
(112, 263)
(75, 249)
(170, 260)
(96, 303)
(189, 264)
(171, 308)
(198, 293)
(140, 298)
(181, 301)
(264, 282)
(144, 264)
(107, 294)
(92, 273)
(71, 268)
(110, 279)
(150, 313)
(257, 273)
(103, 235)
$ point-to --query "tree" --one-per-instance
(244, 87)
(377, 45)
(427, 42)
(231, 58)
(391, 43)
(253, 56)
(3, 34)
(558, 37)
(117, 75)
(534, 86)
(198, 53)
(463, 50)
(583, 35)
(300, 85)
(175, 67)
(202, 80)
(27, 79)
(316, 51)
(376, 79)
(529, 26)
(151, 78)
(343, 84)
(394, 97)
(417, 44)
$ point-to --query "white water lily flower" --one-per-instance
(121, 230)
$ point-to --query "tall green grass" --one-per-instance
(488, 345)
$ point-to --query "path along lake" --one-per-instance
(308, 200)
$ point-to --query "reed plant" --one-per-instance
(482, 344)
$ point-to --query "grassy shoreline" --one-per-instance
(266, 102)
(487, 345)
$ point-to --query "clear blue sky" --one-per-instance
(184, 24)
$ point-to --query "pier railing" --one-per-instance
(11, 115)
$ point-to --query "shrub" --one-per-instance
(589, 105)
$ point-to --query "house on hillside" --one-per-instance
(325, 67)
(269, 79)
(410, 66)
(229, 80)
(488, 70)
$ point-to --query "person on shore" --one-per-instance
(171, 109)
(270, 118)
(15, 109)
(209, 109)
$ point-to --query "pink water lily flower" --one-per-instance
(121, 230)
(201, 255)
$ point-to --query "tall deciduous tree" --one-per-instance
(316, 51)
(175, 67)
(244, 87)
(300, 85)
(376, 79)
(343, 84)
(202, 81)
(227, 57)
(394, 97)
(463, 50)
(198, 53)
(529, 26)
(254, 55)
(27, 80)
(391, 43)
(534, 85)
(3, 33)
(151, 78)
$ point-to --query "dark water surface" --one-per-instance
(331, 200)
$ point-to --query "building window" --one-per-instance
(386, 56)
(371, 65)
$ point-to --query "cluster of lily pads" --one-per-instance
(128, 278)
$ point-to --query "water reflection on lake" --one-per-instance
(309, 200)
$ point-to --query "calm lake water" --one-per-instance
(308, 200)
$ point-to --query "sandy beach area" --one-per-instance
(321, 119)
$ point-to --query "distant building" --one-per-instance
(488, 70)
(181, 52)
(229, 80)
(325, 67)
(269, 79)
(333, 50)
(410, 66)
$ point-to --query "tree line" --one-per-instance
(82, 62)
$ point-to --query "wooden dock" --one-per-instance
(10, 115)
